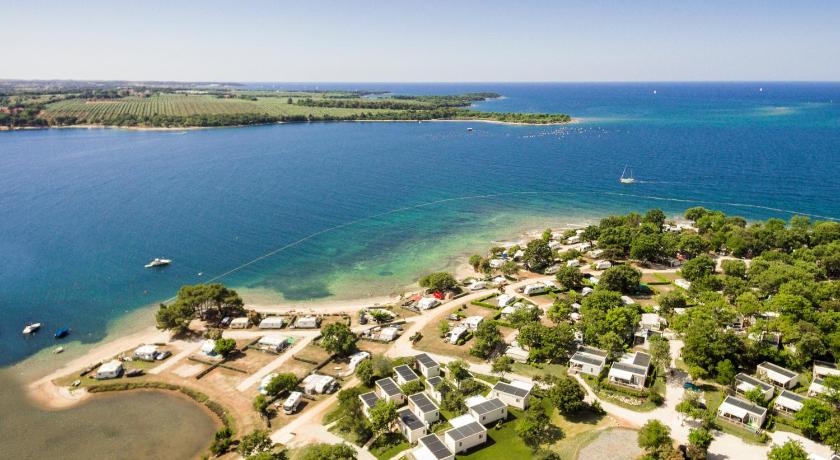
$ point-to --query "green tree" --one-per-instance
(502, 365)
(546, 235)
(567, 395)
(224, 347)
(475, 261)
(255, 442)
(660, 352)
(175, 317)
(656, 217)
(560, 311)
(261, 404)
(698, 268)
(438, 281)
(221, 441)
(281, 383)
(725, 371)
(655, 438)
(699, 440)
(414, 386)
(791, 450)
(692, 245)
(569, 277)
(671, 300)
(621, 278)
(364, 371)
(458, 370)
(443, 327)
(734, 267)
(338, 338)
(538, 255)
(509, 268)
(487, 339)
(647, 248)
(382, 416)
(327, 452)
(813, 414)
(535, 428)
(695, 213)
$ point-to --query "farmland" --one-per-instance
(179, 107)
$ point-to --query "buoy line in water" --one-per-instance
(497, 195)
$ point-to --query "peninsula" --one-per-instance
(179, 105)
(706, 332)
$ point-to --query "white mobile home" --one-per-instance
(411, 427)
(817, 387)
(109, 370)
(486, 411)
(535, 289)
(319, 384)
(465, 434)
(427, 366)
(472, 322)
(514, 394)
(573, 263)
(307, 322)
(368, 401)
(430, 447)
(432, 385)
(631, 371)
(427, 303)
(742, 412)
(291, 404)
(263, 389)
(208, 347)
(478, 285)
(405, 374)
(239, 323)
(146, 352)
(824, 368)
(518, 354)
(685, 284)
(745, 383)
(456, 334)
(272, 322)
(777, 375)
(272, 343)
(389, 334)
(388, 390)
(788, 403)
(505, 299)
(603, 265)
(424, 408)
(588, 360)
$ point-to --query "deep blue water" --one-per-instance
(81, 210)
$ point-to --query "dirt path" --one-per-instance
(279, 361)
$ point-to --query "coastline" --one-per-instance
(196, 128)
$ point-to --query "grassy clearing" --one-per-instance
(532, 370)
(501, 443)
(389, 445)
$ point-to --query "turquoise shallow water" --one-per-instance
(363, 208)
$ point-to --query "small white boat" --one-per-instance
(158, 263)
(30, 328)
(627, 178)
(58, 350)
(469, 129)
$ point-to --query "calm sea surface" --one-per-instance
(347, 210)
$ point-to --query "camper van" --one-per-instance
(290, 406)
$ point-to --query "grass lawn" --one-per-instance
(528, 370)
(501, 443)
(389, 445)
(579, 431)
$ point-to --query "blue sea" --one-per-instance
(306, 212)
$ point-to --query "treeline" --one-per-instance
(400, 102)
(243, 119)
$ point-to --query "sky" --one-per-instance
(421, 41)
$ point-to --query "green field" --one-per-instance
(182, 105)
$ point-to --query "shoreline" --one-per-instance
(197, 128)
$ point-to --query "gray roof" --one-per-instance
(369, 399)
(592, 351)
(423, 402)
(488, 406)
(792, 396)
(510, 389)
(436, 446)
(465, 431)
(827, 364)
(589, 359)
(746, 405)
(410, 420)
(389, 386)
(741, 377)
(434, 381)
(638, 370)
(426, 360)
(778, 369)
(406, 373)
(641, 359)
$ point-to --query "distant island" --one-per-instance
(177, 105)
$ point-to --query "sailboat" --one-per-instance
(627, 178)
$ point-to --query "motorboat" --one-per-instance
(61, 332)
(158, 263)
(30, 328)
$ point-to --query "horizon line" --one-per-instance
(429, 82)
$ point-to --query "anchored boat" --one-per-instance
(627, 178)
(30, 328)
